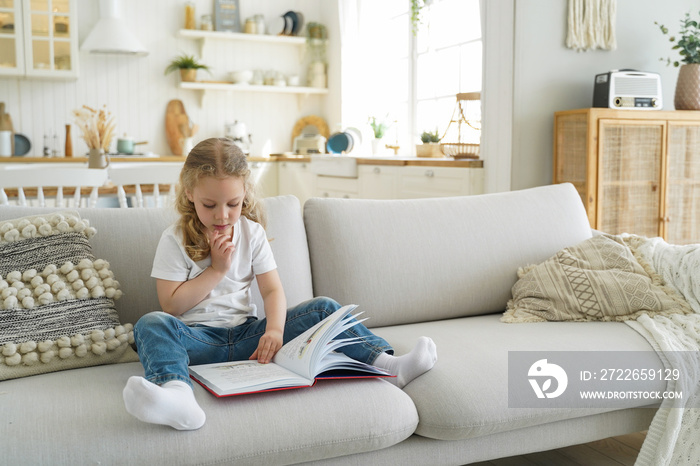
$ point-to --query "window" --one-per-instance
(412, 79)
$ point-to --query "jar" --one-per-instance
(251, 26)
(190, 21)
(207, 23)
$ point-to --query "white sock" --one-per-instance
(172, 404)
(421, 359)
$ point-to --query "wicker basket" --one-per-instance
(460, 150)
(463, 134)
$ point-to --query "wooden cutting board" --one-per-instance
(177, 123)
(6, 125)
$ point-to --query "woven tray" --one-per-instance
(460, 150)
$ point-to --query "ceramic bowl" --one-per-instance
(241, 77)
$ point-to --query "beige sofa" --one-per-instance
(437, 267)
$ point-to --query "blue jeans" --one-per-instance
(166, 346)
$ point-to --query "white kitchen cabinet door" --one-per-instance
(264, 177)
(337, 187)
(296, 178)
(419, 182)
(378, 181)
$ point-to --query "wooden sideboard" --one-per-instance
(637, 171)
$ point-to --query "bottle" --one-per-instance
(69, 143)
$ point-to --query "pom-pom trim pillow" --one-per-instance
(56, 299)
(597, 279)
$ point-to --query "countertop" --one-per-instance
(387, 160)
(172, 158)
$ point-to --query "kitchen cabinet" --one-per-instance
(337, 187)
(297, 179)
(39, 38)
(378, 181)
(264, 178)
(426, 181)
(206, 38)
(636, 171)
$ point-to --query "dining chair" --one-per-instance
(28, 184)
(141, 178)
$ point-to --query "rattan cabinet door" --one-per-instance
(630, 176)
(682, 219)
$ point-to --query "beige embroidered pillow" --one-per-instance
(598, 279)
(56, 299)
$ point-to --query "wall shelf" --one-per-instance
(205, 37)
(205, 87)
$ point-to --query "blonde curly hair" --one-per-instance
(220, 158)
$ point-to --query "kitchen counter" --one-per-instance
(112, 158)
(389, 160)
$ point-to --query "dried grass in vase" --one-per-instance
(96, 126)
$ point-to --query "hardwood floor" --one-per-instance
(614, 451)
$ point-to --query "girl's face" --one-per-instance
(218, 202)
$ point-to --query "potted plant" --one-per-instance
(188, 66)
(430, 146)
(379, 128)
(687, 43)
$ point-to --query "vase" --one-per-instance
(377, 146)
(188, 75)
(687, 95)
(97, 159)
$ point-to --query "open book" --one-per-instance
(299, 363)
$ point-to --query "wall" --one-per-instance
(549, 77)
(136, 92)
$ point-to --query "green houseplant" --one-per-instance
(687, 96)
(188, 66)
(378, 127)
(430, 146)
(428, 137)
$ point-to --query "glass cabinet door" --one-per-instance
(51, 38)
(11, 38)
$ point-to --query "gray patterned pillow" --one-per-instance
(598, 279)
(56, 300)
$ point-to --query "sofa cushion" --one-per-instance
(416, 260)
(128, 239)
(57, 307)
(78, 417)
(465, 395)
(597, 279)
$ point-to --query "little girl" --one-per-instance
(204, 266)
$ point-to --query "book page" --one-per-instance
(302, 354)
(228, 378)
(340, 362)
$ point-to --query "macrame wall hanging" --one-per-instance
(591, 25)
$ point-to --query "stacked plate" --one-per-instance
(344, 142)
(289, 24)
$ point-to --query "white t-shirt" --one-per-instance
(229, 303)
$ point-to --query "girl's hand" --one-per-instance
(269, 344)
(222, 249)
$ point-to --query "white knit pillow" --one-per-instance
(56, 300)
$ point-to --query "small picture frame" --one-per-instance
(227, 16)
